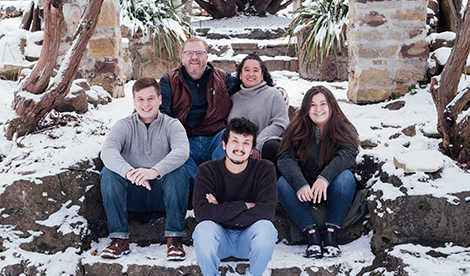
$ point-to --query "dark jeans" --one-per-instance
(202, 149)
(340, 194)
(169, 195)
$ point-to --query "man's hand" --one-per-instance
(255, 153)
(141, 177)
(285, 96)
(211, 198)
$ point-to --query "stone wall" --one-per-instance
(387, 48)
(144, 57)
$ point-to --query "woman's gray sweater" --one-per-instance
(265, 107)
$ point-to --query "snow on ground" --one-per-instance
(53, 150)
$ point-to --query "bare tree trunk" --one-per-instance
(455, 131)
(29, 108)
(39, 78)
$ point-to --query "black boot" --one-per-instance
(331, 247)
(314, 249)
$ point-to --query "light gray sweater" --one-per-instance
(264, 106)
(130, 145)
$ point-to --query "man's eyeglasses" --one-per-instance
(191, 53)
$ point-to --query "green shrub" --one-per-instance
(167, 24)
(322, 26)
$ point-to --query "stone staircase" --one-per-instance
(231, 42)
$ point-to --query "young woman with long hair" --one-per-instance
(317, 149)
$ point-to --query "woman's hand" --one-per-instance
(319, 190)
(305, 194)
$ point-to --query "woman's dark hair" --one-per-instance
(266, 75)
(241, 126)
(300, 133)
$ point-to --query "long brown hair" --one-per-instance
(300, 133)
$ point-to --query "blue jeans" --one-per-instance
(201, 149)
(212, 242)
(169, 195)
(340, 194)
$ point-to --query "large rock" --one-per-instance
(76, 101)
(34, 207)
(423, 219)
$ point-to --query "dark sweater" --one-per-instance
(257, 184)
(299, 177)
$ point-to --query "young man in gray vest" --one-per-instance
(143, 156)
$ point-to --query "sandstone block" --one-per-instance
(418, 49)
(108, 16)
(410, 74)
(373, 19)
(369, 35)
(104, 47)
(410, 14)
(387, 52)
(369, 95)
(415, 32)
(401, 89)
(375, 77)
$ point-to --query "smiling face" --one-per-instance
(238, 149)
(195, 65)
(319, 111)
(251, 74)
(146, 103)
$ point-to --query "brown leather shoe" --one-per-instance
(116, 249)
(175, 249)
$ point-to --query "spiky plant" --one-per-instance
(167, 24)
(322, 25)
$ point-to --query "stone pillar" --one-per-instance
(387, 48)
(102, 64)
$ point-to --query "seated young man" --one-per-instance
(143, 156)
(234, 202)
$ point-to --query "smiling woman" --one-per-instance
(317, 150)
(261, 103)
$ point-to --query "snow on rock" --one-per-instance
(426, 161)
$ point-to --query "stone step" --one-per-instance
(230, 65)
(277, 54)
(250, 33)
(243, 48)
